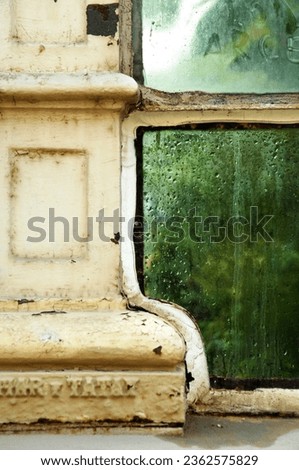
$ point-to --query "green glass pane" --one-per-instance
(221, 209)
(233, 46)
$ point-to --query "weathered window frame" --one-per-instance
(161, 109)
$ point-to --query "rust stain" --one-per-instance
(156, 100)
(14, 173)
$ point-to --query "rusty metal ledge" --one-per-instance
(155, 100)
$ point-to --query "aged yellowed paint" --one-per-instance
(81, 344)
(72, 350)
(117, 340)
(43, 37)
(82, 397)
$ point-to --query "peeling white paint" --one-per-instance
(195, 356)
(200, 397)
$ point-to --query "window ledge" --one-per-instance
(155, 100)
(262, 401)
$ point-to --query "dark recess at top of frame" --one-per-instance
(102, 20)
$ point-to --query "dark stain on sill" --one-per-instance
(231, 383)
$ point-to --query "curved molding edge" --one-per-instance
(195, 359)
(116, 88)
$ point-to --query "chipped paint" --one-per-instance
(62, 93)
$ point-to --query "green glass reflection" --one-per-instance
(221, 239)
(233, 46)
